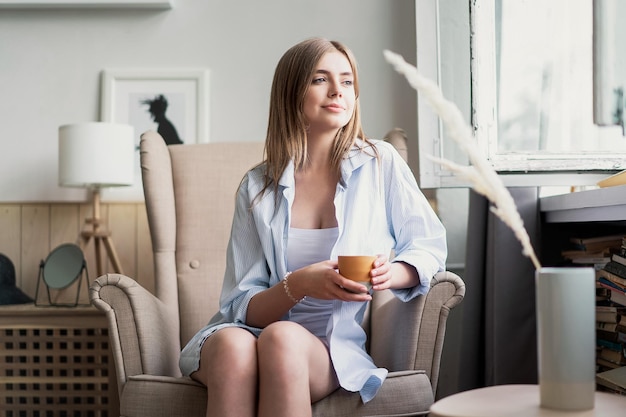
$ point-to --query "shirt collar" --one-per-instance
(360, 153)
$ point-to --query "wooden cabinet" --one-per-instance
(56, 362)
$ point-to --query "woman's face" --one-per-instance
(329, 102)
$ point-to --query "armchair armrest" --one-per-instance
(410, 335)
(144, 334)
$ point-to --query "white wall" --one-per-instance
(51, 60)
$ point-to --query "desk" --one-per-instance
(519, 401)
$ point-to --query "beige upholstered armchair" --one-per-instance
(190, 192)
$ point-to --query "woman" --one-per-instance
(281, 339)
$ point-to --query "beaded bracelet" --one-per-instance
(286, 287)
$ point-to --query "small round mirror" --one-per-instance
(63, 266)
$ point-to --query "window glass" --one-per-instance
(544, 66)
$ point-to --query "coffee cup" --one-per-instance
(357, 268)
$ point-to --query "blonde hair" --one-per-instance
(286, 138)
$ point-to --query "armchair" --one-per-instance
(189, 191)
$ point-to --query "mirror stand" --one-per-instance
(63, 267)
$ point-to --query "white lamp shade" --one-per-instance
(96, 154)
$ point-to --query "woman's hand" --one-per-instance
(322, 281)
(394, 275)
(381, 273)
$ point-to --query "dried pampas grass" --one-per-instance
(480, 174)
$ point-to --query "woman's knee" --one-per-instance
(284, 343)
(230, 351)
(282, 335)
(290, 356)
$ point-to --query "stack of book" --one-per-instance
(610, 336)
(611, 322)
(593, 250)
(611, 279)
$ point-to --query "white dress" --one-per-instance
(306, 247)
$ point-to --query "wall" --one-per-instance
(51, 60)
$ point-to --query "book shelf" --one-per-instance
(597, 212)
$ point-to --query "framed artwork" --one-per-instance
(173, 102)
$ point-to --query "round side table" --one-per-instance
(519, 401)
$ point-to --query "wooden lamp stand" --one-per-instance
(100, 235)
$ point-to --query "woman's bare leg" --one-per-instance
(294, 370)
(228, 367)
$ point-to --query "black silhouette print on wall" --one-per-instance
(157, 108)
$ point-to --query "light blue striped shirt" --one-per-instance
(379, 208)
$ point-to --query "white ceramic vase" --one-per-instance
(566, 337)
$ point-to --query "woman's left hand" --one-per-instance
(381, 273)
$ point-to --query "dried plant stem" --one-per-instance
(480, 174)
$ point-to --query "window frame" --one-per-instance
(516, 169)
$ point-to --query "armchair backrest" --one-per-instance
(190, 196)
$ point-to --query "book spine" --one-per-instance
(610, 309)
(610, 285)
(616, 268)
(607, 317)
(612, 356)
(618, 298)
(620, 257)
(609, 345)
(606, 335)
(612, 277)
(609, 327)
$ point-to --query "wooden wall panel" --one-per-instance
(64, 224)
(10, 236)
(122, 223)
(29, 232)
(35, 243)
(65, 228)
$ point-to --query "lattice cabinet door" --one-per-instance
(56, 362)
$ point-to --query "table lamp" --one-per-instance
(95, 155)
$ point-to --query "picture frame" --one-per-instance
(84, 4)
(174, 102)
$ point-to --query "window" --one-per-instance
(532, 77)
